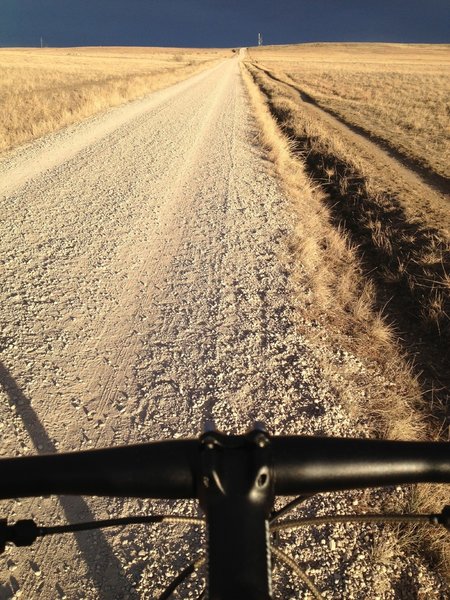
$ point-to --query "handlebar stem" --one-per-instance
(236, 492)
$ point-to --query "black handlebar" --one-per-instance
(170, 469)
(235, 479)
(155, 470)
(311, 464)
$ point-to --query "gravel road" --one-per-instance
(146, 288)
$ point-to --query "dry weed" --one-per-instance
(407, 260)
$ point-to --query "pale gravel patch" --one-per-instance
(146, 288)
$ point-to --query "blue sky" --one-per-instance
(212, 23)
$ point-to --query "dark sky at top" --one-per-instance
(214, 23)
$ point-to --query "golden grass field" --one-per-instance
(42, 90)
(399, 221)
(373, 231)
(398, 92)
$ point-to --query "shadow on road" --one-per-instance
(100, 554)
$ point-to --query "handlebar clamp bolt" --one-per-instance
(261, 440)
(209, 441)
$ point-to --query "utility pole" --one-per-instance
(260, 39)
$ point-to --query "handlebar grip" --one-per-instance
(155, 470)
(313, 464)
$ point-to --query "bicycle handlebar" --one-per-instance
(330, 464)
(170, 469)
(154, 470)
(235, 479)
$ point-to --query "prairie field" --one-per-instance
(398, 93)
(44, 89)
(366, 128)
(393, 211)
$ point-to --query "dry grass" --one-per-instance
(42, 90)
(398, 93)
(347, 231)
(407, 261)
(340, 297)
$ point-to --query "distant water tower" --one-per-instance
(260, 40)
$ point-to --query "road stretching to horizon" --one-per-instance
(145, 271)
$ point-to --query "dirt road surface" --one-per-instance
(145, 289)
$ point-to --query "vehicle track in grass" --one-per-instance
(387, 155)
